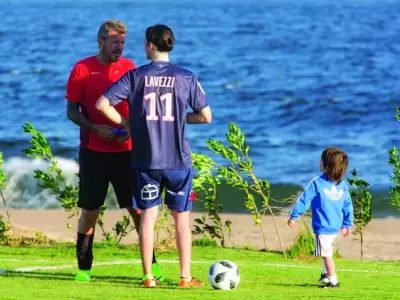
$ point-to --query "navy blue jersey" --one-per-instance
(158, 94)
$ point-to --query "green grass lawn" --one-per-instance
(118, 272)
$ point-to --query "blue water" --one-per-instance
(296, 76)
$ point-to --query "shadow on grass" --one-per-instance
(307, 285)
(127, 281)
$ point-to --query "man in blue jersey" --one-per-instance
(331, 209)
(158, 95)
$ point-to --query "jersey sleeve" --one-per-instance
(197, 97)
(348, 214)
(75, 87)
(304, 201)
(121, 89)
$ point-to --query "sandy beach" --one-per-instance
(381, 240)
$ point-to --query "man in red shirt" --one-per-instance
(103, 156)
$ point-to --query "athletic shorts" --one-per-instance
(97, 170)
(324, 244)
(149, 185)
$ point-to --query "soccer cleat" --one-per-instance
(192, 283)
(158, 273)
(83, 275)
(324, 279)
(149, 282)
(331, 285)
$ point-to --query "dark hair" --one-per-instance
(161, 36)
(335, 162)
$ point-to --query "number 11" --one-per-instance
(152, 98)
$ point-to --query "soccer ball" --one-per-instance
(224, 275)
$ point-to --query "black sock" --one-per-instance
(154, 258)
(84, 251)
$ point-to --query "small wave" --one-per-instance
(294, 103)
(22, 190)
(231, 85)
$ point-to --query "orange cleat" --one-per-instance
(188, 284)
(149, 281)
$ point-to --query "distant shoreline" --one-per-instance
(114, 210)
(25, 194)
(382, 239)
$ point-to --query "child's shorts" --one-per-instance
(324, 244)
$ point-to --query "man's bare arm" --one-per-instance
(203, 117)
(75, 115)
(104, 106)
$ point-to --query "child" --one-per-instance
(331, 209)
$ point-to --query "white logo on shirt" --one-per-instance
(94, 73)
(334, 193)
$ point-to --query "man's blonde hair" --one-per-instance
(111, 25)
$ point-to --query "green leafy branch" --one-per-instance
(3, 180)
(66, 194)
(394, 192)
(53, 178)
(3, 175)
(362, 199)
(205, 184)
(241, 164)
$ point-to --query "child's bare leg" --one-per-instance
(324, 271)
(330, 268)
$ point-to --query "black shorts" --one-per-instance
(97, 170)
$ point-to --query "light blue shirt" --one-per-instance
(331, 206)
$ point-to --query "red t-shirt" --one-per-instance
(88, 80)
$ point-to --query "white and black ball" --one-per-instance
(224, 275)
